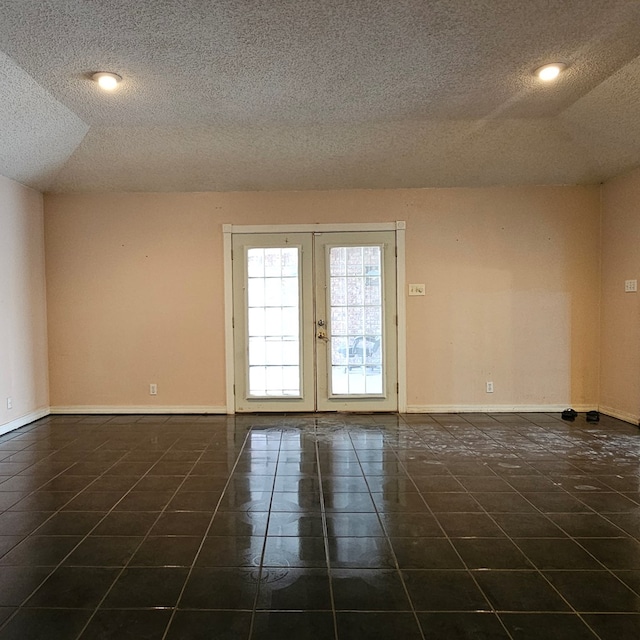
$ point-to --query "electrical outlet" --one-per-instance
(153, 389)
(630, 286)
(416, 289)
(489, 387)
(9, 403)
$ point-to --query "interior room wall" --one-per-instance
(135, 292)
(620, 332)
(23, 321)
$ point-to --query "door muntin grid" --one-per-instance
(273, 322)
(355, 300)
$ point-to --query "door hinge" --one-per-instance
(396, 320)
(397, 387)
(234, 389)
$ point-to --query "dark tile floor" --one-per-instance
(320, 526)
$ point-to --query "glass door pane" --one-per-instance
(273, 302)
(273, 326)
(356, 337)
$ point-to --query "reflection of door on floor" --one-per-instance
(315, 321)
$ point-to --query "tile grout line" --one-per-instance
(447, 537)
(144, 538)
(83, 538)
(325, 534)
(204, 537)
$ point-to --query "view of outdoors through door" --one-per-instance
(314, 321)
(273, 303)
(357, 343)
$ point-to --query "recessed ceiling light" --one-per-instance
(551, 71)
(106, 80)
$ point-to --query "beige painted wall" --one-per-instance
(620, 348)
(135, 291)
(23, 328)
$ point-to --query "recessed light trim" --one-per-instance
(106, 80)
(549, 72)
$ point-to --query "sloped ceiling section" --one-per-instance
(301, 94)
(607, 122)
(368, 156)
(37, 133)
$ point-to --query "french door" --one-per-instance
(314, 321)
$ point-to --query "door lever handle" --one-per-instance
(322, 336)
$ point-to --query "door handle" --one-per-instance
(322, 336)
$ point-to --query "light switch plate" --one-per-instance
(416, 289)
(630, 286)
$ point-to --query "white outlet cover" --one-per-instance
(417, 289)
(631, 286)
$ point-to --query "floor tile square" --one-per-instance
(519, 591)
(45, 624)
(181, 523)
(220, 588)
(377, 625)
(283, 588)
(18, 583)
(291, 551)
(229, 523)
(425, 553)
(550, 626)
(360, 552)
(614, 553)
(40, 551)
(556, 553)
(139, 588)
(166, 551)
(490, 553)
(368, 590)
(614, 626)
(301, 625)
(596, 591)
(103, 551)
(127, 624)
(198, 625)
(74, 588)
(444, 591)
(462, 626)
(469, 525)
(421, 525)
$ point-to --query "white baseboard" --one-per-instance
(494, 408)
(621, 415)
(22, 420)
(142, 409)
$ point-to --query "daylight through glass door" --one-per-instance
(356, 337)
(274, 322)
(314, 321)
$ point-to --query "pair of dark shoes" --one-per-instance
(571, 414)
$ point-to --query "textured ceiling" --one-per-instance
(309, 94)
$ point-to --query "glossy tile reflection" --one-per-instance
(320, 526)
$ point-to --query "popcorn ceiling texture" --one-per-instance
(301, 94)
(37, 133)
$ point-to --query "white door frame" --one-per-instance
(399, 227)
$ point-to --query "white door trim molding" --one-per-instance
(319, 227)
(228, 230)
(230, 371)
